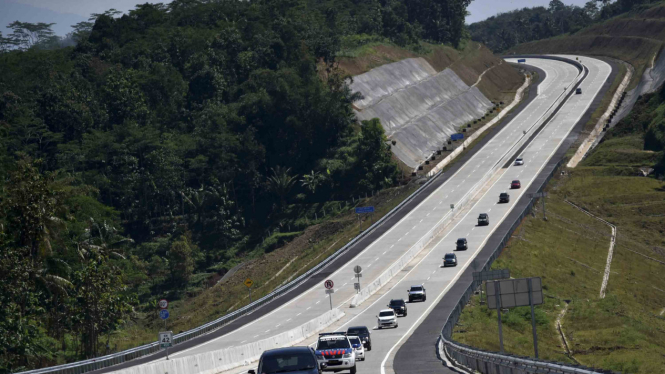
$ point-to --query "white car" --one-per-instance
(519, 161)
(334, 349)
(357, 345)
(386, 318)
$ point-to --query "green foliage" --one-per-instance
(506, 30)
(189, 128)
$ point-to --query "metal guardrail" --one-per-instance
(491, 362)
(97, 363)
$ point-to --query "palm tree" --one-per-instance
(311, 181)
(281, 182)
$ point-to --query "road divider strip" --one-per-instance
(229, 358)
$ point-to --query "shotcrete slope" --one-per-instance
(418, 107)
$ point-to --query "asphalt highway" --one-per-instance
(377, 257)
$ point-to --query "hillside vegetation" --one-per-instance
(625, 330)
(506, 30)
(179, 141)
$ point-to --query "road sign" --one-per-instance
(356, 286)
(514, 292)
(331, 291)
(357, 269)
(248, 282)
(521, 60)
(457, 137)
(329, 284)
(163, 314)
(163, 304)
(482, 276)
(165, 339)
(364, 209)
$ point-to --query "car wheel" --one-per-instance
(369, 348)
(424, 298)
(353, 370)
(405, 314)
(410, 300)
(396, 325)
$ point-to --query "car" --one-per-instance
(399, 306)
(300, 360)
(514, 185)
(386, 318)
(461, 244)
(417, 293)
(578, 91)
(357, 345)
(335, 351)
(450, 259)
(504, 197)
(519, 161)
(483, 219)
(363, 333)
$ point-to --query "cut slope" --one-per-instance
(419, 108)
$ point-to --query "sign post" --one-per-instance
(364, 210)
(163, 312)
(512, 293)
(329, 284)
(358, 270)
(166, 341)
(248, 283)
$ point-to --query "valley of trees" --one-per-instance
(165, 142)
(501, 32)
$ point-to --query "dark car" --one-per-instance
(450, 260)
(483, 219)
(363, 333)
(504, 197)
(417, 293)
(461, 244)
(515, 184)
(399, 306)
(578, 91)
(300, 360)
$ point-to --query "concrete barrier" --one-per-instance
(225, 359)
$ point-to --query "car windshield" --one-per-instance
(356, 332)
(387, 313)
(519, 159)
(416, 288)
(460, 241)
(281, 363)
(516, 181)
(483, 216)
(354, 340)
(396, 302)
(450, 256)
(337, 342)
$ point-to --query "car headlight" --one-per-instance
(348, 355)
(364, 341)
(319, 356)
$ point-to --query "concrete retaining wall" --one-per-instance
(229, 358)
(418, 107)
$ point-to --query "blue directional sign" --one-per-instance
(163, 314)
(521, 60)
(456, 136)
(365, 209)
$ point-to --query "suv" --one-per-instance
(417, 293)
(335, 353)
(450, 260)
(301, 360)
(461, 244)
(483, 219)
(504, 197)
(386, 317)
(363, 333)
(399, 306)
(357, 345)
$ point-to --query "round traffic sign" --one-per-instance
(163, 304)
(329, 284)
(357, 269)
(163, 314)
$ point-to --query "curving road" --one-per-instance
(402, 236)
(390, 246)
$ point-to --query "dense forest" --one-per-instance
(506, 30)
(165, 142)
